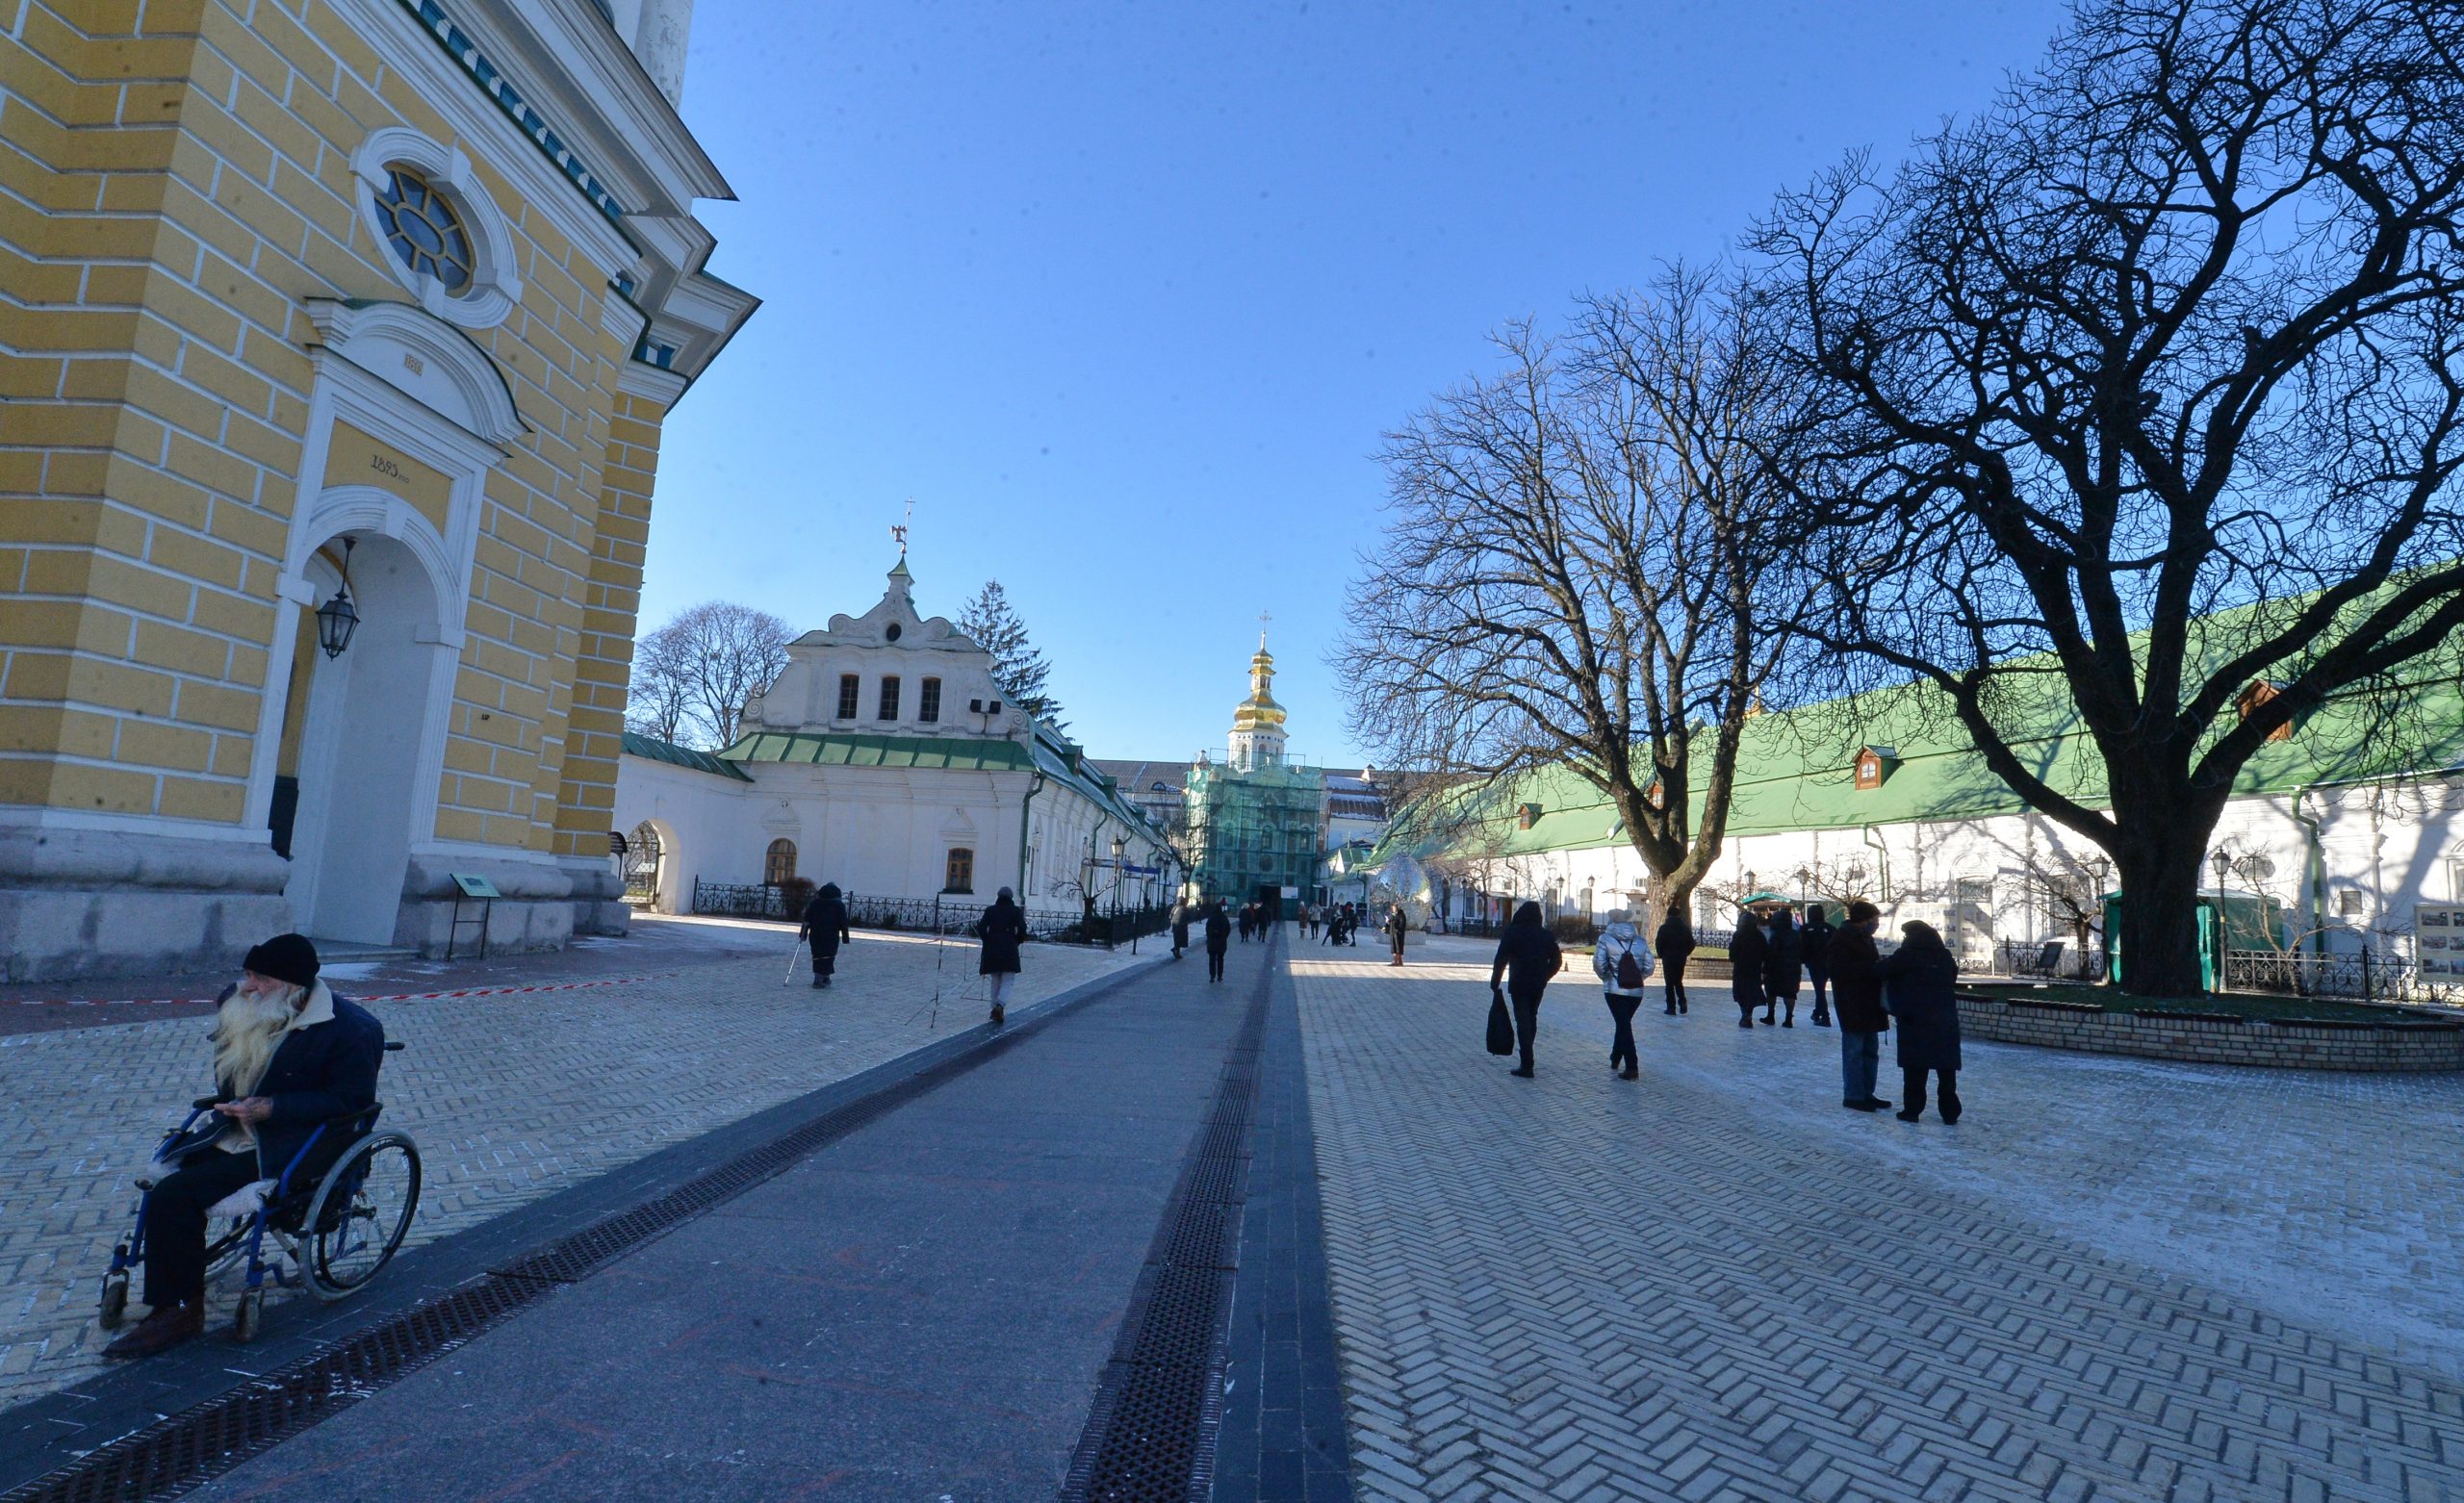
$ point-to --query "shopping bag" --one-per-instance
(1500, 1024)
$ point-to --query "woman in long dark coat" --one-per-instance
(1748, 954)
(1783, 968)
(1673, 943)
(1003, 929)
(1218, 937)
(824, 927)
(1528, 956)
(1920, 980)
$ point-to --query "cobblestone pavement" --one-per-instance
(2115, 1278)
(510, 1097)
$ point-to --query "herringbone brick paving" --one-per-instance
(1716, 1284)
(509, 1097)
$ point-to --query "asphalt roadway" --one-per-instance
(924, 1308)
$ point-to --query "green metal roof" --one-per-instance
(674, 756)
(1796, 770)
(958, 754)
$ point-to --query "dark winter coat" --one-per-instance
(1180, 928)
(1003, 929)
(826, 921)
(1674, 940)
(316, 1073)
(1814, 942)
(1218, 931)
(1920, 976)
(1855, 990)
(1528, 956)
(1748, 954)
(1397, 926)
(1784, 961)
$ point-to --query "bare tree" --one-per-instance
(660, 697)
(1568, 576)
(2141, 394)
(693, 674)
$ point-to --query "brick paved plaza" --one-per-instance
(2113, 1279)
(631, 1068)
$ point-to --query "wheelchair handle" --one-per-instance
(203, 1103)
(393, 1046)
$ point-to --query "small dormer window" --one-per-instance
(1874, 765)
(1527, 816)
(2259, 693)
(893, 631)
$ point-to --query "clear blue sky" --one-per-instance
(1124, 296)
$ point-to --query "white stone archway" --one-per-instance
(406, 420)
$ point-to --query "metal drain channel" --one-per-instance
(1150, 1433)
(184, 1451)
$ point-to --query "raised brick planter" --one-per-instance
(2210, 1039)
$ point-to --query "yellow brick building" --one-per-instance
(383, 299)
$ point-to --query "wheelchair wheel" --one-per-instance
(224, 1249)
(363, 1206)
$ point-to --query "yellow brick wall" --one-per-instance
(174, 184)
(586, 798)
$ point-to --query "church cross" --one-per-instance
(1263, 619)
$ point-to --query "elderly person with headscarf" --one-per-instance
(1003, 929)
(825, 928)
(289, 1056)
(1919, 982)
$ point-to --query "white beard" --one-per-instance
(245, 1034)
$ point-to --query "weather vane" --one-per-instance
(898, 529)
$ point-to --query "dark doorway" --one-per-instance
(1271, 900)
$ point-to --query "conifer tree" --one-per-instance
(995, 627)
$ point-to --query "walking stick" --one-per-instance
(791, 960)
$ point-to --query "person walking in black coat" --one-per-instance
(825, 928)
(1397, 927)
(1814, 940)
(1673, 943)
(1218, 938)
(1748, 954)
(1003, 929)
(1782, 967)
(1180, 928)
(1527, 957)
(1861, 1018)
(1922, 978)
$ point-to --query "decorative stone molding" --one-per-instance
(496, 284)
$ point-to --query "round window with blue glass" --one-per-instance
(425, 230)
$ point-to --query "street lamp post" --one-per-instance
(2222, 863)
(1120, 849)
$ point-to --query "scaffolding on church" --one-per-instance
(1254, 829)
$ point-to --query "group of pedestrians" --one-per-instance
(1338, 922)
(1772, 955)
(999, 933)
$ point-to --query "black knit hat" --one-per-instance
(286, 958)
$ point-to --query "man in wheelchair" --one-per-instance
(287, 1056)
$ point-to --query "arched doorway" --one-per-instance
(643, 853)
(355, 737)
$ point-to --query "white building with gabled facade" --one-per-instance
(885, 759)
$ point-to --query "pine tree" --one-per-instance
(1017, 668)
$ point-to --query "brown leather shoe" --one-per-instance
(161, 1330)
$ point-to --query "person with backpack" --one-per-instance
(1622, 967)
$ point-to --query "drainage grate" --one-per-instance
(185, 1450)
(1150, 1433)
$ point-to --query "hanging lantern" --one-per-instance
(337, 619)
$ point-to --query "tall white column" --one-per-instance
(660, 32)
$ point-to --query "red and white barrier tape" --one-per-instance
(408, 996)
